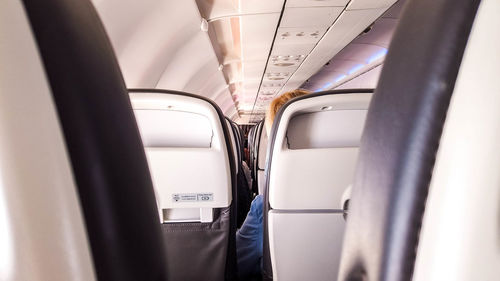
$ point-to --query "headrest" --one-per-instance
(327, 128)
(323, 121)
(173, 128)
(176, 120)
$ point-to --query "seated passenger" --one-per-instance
(249, 237)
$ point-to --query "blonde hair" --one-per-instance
(278, 102)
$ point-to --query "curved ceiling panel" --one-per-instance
(216, 9)
(366, 52)
(309, 35)
(187, 63)
(160, 44)
(241, 53)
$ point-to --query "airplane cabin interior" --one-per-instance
(251, 140)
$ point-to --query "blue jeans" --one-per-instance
(249, 241)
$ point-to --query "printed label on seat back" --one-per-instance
(192, 197)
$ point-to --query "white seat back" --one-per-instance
(187, 154)
(312, 162)
(76, 198)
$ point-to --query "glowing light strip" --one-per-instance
(340, 78)
(378, 55)
(327, 85)
(355, 68)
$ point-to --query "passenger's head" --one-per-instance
(277, 103)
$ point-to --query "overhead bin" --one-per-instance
(309, 16)
(358, 64)
(315, 3)
(227, 8)
(342, 32)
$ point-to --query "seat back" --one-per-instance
(424, 195)
(234, 144)
(251, 134)
(255, 147)
(303, 218)
(239, 140)
(36, 179)
(188, 146)
(71, 158)
(254, 155)
(242, 188)
(261, 160)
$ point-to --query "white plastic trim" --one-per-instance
(42, 231)
(196, 178)
(460, 236)
(312, 178)
(305, 246)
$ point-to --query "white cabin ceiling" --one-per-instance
(247, 56)
(319, 34)
(160, 44)
(366, 52)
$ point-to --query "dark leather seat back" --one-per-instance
(401, 137)
(100, 138)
